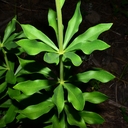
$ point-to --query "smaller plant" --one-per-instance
(33, 92)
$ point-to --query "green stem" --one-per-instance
(6, 59)
(60, 38)
(60, 26)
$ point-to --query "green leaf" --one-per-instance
(76, 60)
(10, 115)
(31, 66)
(58, 123)
(52, 19)
(10, 77)
(13, 93)
(51, 58)
(75, 96)
(37, 110)
(73, 25)
(90, 35)
(62, 3)
(74, 118)
(2, 123)
(58, 98)
(3, 87)
(9, 29)
(2, 70)
(30, 87)
(6, 104)
(91, 117)
(94, 97)
(91, 46)
(32, 33)
(97, 74)
(33, 47)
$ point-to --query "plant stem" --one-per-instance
(60, 38)
(60, 26)
(6, 59)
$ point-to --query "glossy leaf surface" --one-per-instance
(37, 110)
(75, 59)
(30, 87)
(51, 58)
(58, 98)
(94, 97)
(52, 19)
(97, 74)
(75, 96)
(91, 117)
(90, 35)
(33, 33)
(33, 47)
(73, 25)
(9, 29)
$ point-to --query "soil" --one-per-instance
(114, 59)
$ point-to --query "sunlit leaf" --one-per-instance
(94, 97)
(9, 29)
(58, 98)
(90, 35)
(51, 58)
(97, 74)
(73, 25)
(89, 46)
(30, 87)
(37, 110)
(74, 118)
(75, 59)
(62, 3)
(33, 47)
(52, 19)
(75, 96)
(91, 117)
(32, 33)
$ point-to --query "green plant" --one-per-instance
(33, 92)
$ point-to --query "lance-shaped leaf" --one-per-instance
(3, 87)
(75, 59)
(73, 25)
(9, 29)
(62, 3)
(10, 114)
(33, 33)
(6, 104)
(90, 35)
(97, 74)
(33, 47)
(91, 46)
(58, 98)
(51, 58)
(74, 118)
(52, 19)
(94, 97)
(37, 110)
(75, 96)
(30, 87)
(91, 117)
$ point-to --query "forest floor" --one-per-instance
(114, 59)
